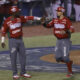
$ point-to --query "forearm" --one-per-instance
(2, 39)
(32, 18)
(3, 42)
(3, 34)
(37, 18)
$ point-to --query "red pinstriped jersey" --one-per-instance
(14, 27)
(60, 25)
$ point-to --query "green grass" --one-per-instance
(76, 39)
(44, 41)
(7, 75)
(41, 41)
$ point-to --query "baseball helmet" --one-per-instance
(14, 9)
(61, 9)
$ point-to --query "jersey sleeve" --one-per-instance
(4, 28)
(26, 18)
(69, 26)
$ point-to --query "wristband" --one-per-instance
(2, 39)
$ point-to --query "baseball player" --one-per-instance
(62, 28)
(13, 26)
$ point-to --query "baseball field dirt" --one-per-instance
(41, 31)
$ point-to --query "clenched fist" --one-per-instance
(43, 20)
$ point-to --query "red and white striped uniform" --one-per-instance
(60, 25)
(15, 26)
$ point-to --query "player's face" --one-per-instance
(16, 14)
(59, 13)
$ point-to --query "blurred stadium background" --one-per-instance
(35, 35)
(34, 8)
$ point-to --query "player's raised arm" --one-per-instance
(33, 18)
(26, 18)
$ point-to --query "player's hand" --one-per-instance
(3, 45)
(43, 20)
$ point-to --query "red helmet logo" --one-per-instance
(61, 9)
(14, 9)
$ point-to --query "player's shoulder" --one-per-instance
(55, 19)
(66, 18)
(22, 16)
(7, 19)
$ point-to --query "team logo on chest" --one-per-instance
(60, 26)
(15, 25)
